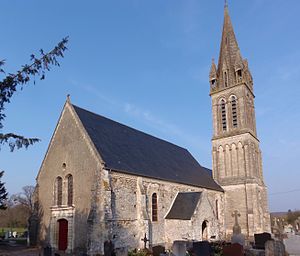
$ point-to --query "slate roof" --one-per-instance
(184, 206)
(128, 150)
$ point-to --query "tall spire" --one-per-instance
(229, 46)
(230, 63)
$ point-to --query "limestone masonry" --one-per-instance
(237, 161)
(104, 183)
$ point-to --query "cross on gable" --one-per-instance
(145, 240)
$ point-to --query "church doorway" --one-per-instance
(204, 230)
(62, 234)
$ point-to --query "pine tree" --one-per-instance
(14, 81)
(3, 193)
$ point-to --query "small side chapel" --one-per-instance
(102, 182)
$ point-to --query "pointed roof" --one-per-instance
(128, 150)
(213, 70)
(229, 48)
(238, 61)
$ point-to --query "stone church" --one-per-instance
(103, 182)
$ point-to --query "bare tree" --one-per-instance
(25, 198)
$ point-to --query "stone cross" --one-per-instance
(236, 214)
(236, 227)
(145, 240)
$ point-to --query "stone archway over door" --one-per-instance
(204, 230)
(62, 234)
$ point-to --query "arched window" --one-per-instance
(234, 111)
(213, 82)
(223, 115)
(59, 191)
(217, 209)
(70, 190)
(154, 207)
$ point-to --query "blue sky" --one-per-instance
(146, 64)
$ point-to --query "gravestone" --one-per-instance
(237, 236)
(233, 250)
(189, 245)
(261, 239)
(122, 251)
(47, 251)
(179, 248)
(14, 234)
(236, 227)
(202, 248)
(158, 250)
(238, 239)
(254, 252)
(145, 240)
(274, 248)
(109, 249)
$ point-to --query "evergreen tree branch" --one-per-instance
(38, 67)
(16, 141)
(3, 193)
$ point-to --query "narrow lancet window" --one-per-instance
(223, 115)
(70, 190)
(213, 82)
(217, 209)
(225, 79)
(239, 75)
(234, 111)
(58, 191)
(154, 207)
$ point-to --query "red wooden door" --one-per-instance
(62, 234)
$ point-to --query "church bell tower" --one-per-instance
(237, 161)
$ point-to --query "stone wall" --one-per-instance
(69, 146)
(237, 162)
(110, 205)
(133, 218)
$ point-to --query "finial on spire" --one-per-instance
(226, 4)
(68, 97)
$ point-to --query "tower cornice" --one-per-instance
(222, 90)
(235, 133)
